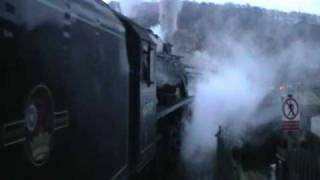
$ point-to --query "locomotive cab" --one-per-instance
(143, 100)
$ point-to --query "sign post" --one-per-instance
(290, 114)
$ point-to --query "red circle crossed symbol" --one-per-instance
(290, 108)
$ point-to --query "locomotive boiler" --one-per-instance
(88, 93)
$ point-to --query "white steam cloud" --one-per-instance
(231, 91)
(168, 16)
(227, 95)
(129, 7)
(169, 11)
(168, 19)
(157, 30)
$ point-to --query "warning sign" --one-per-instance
(290, 114)
(290, 108)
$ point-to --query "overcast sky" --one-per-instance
(308, 6)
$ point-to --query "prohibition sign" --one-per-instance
(290, 108)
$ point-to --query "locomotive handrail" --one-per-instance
(61, 120)
(14, 132)
(164, 112)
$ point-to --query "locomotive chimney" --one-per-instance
(167, 48)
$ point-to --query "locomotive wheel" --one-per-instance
(39, 125)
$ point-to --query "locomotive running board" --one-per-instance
(178, 105)
(14, 132)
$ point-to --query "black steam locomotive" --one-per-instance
(88, 93)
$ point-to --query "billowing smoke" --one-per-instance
(158, 31)
(244, 54)
(129, 7)
(169, 11)
(227, 95)
(168, 17)
(239, 76)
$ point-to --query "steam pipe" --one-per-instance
(174, 107)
